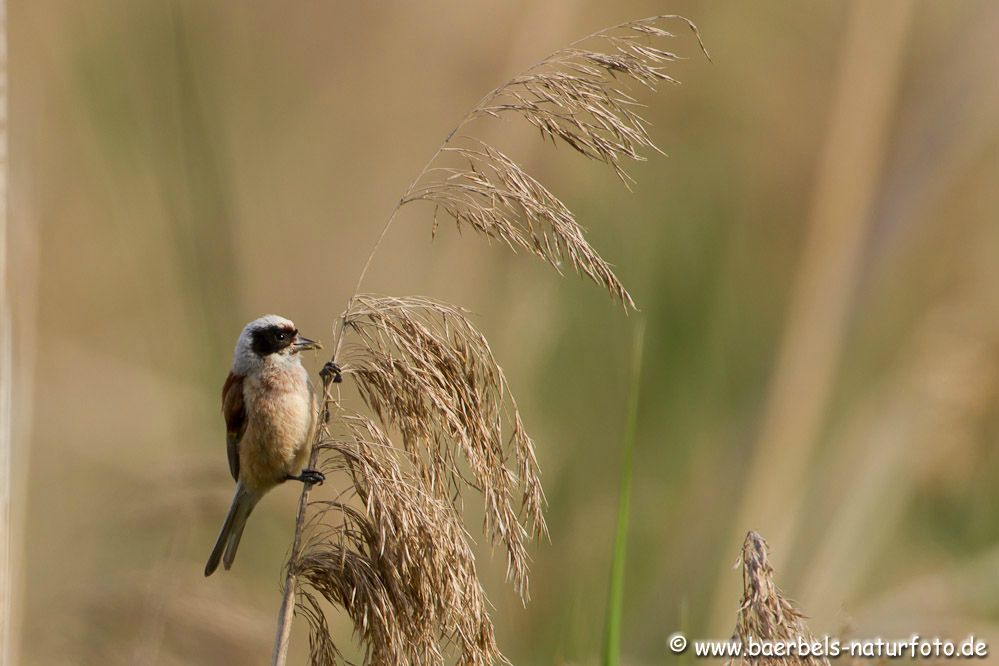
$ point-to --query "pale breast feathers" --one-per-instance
(282, 408)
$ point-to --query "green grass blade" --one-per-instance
(615, 597)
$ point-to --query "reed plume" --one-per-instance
(397, 560)
(578, 96)
(390, 547)
(765, 614)
(423, 368)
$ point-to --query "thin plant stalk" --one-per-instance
(286, 613)
(615, 597)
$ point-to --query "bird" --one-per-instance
(269, 405)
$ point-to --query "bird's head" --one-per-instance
(270, 336)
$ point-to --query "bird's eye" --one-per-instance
(282, 336)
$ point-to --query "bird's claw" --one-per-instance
(333, 372)
(310, 476)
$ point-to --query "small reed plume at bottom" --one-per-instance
(765, 614)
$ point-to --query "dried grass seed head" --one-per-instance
(396, 558)
(765, 614)
(577, 96)
(422, 367)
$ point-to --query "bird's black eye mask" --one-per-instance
(272, 339)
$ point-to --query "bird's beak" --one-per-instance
(304, 344)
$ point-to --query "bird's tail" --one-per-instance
(232, 529)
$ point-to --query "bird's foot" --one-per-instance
(310, 476)
(332, 372)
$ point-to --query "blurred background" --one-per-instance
(816, 262)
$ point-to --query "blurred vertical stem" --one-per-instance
(6, 368)
(203, 223)
(615, 597)
(839, 222)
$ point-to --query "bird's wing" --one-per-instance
(234, 411)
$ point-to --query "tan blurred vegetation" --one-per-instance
(817, 260)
